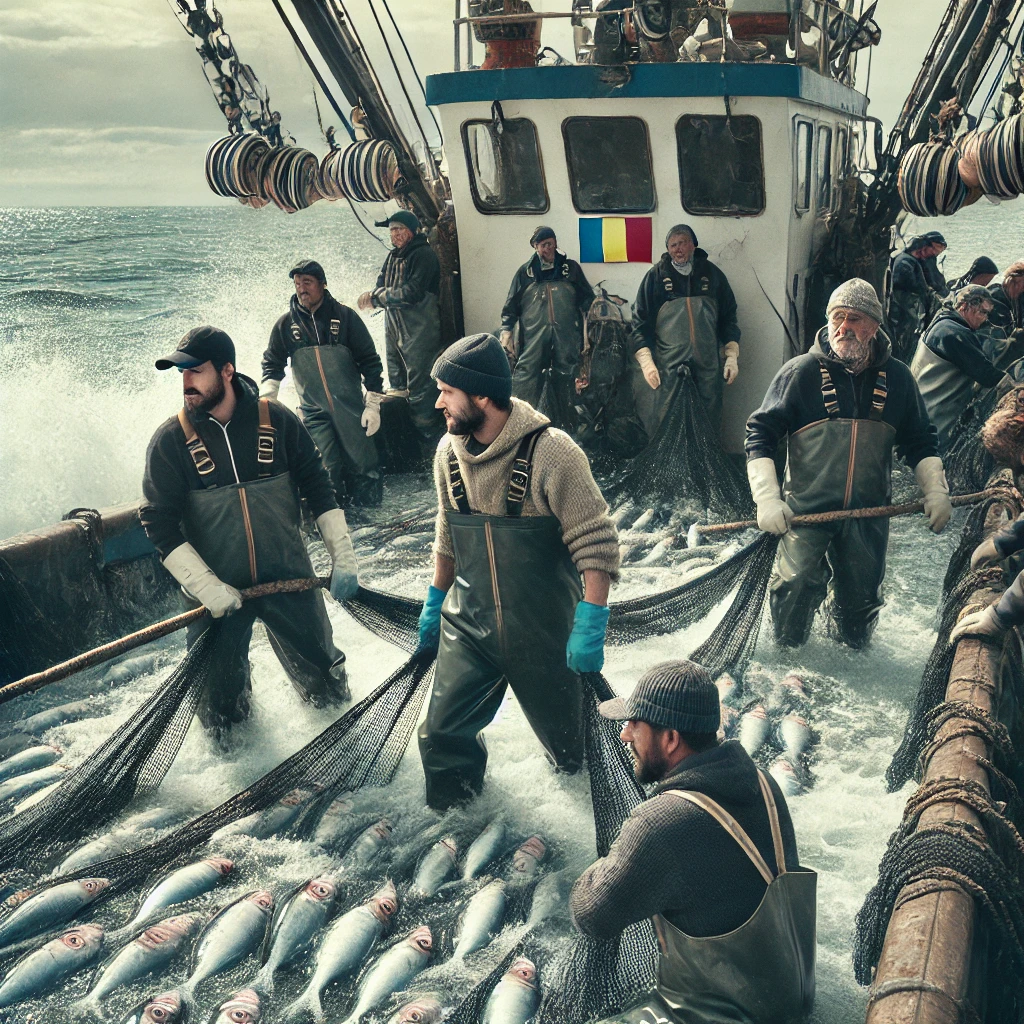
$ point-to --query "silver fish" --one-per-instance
(425, 1010)
(129, 669)
(489, 845)
(548, 898)
(481, 920)
(783, 772)
(344, 947)
(245, 1007)
(296, 922)
(45, 968)
(437, 866)
(795, 734)
(516, 997)
(167, 1008)
(643, 520)
(393, 971)
(726, 686)
(658, 553)
(180, 885)
(526, 861)
(22, 785)
(43, 911)
(754, 729)
(236, 932)
(369, 846)
(29, 761)
(52, 717)
(114, 843)
(274, 819)
(334, 822)
(15, 742)
(150, 952)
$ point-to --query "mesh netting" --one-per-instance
(28, 643)
(968, 465)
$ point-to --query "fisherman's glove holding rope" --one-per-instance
(270, 389)
(931, 478)
(983, 623)
(370, 420)
(646, 361)
(773, 514)
(344, 570)
(585, 650)
(731, 366)
(430, 620)
(201, 582)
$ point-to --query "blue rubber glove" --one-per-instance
(430, 620)
(585, 650)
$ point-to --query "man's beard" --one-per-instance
(466, 423)
(855, 355)
(210, 401)
(647, 771)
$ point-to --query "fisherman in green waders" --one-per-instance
(548, 300)
(711, 857)
(222, 485)
(520, 521)
(407, 290)
(684, 321)
(333, 358)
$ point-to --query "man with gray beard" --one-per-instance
(843, 406)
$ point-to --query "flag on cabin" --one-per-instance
(615, 240)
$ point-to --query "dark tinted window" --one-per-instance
(609, 163)
(824, 168)
(804, 153)
(505, 170)
(720, 169)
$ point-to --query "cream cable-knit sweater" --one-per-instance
(561, 485)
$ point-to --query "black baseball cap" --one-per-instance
(200, 345)
(678, 695)
(310, 267)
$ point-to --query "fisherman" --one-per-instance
(843, 406)
(549, 299)
(222, 485)
(913, 294)
(711, 857)
(520, 520)
(684, 320)
(333, 358)
(981, 271)
(407, 290)
(950, 360)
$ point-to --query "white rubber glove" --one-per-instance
(270, 389)
(646, 361)
(508, 342)
(731, 366)
(185, 564)
(931, 478)
(985, 554)
(344, 570)
(370, 420)
(773, 514)
(984, 623)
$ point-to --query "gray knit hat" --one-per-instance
(681, 229)
(678, 695)
(857, 294)
(477, 365)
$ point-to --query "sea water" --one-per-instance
(89, 298)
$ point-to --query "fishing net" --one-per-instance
(28, 643)
(968, 465)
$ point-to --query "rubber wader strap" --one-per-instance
(731, 825)
(773, 820)
(457, 485)
(196, 448)
(265, 440)
(828, 392)
(879, 395)
(519, 481)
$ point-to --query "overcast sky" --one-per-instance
(104, 101)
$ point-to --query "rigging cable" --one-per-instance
(1011, 49)
(412, 64)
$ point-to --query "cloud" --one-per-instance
(61, 25)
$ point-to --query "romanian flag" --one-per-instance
(615, 240)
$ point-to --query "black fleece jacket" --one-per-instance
(951, 338)
(662, 283)
(408, 275)
(531, 272)
(674, 859)
(909, 275)
(171, 473)
(794, 400)
(315, 329)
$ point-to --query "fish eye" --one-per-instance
(74, 941)
(240, 1016)
(321, 890)
(387, 906)
(264, 901)
(158, 1013)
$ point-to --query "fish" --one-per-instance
(234, 933)
(425, 1010)
(180, 885)
(726, 687)
(795, 734)
(48, 909)
(35, 798)
(296, 922)
(167, 1008)
(481, 920)
(344, 947)
(129, 669)
(334, 822)
(643, 520)
(22, 785)
(150, 952)
(43, 721)
(276, 818)
(369, 845)
(754, 729)
(658, 553)
(15, 743)
(29, 761)
(114, 843)
(244, 1007)
(436, 867)
(488, 846)
(526, 861)
(783, 772)
(548, 898)
(393, 971)
(516, 997)
(45, 968)
(794, 683)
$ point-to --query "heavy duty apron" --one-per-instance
(946, 390)
(550, 339)
(413, 337)
(505, 620)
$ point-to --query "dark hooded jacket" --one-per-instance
(794, 400)
(1007, 314)
(530, 272)
(663, 282)
(315, 329)
(952, 338)
(909, 274)
(408, 275)
(674, 859)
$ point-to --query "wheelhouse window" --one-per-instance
(804, 167)
(842, 152)
(824, 168)
(609, 161)
(505, 170)
(720, 164)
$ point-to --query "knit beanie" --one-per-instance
(406, 219)
(681, 229)
(541, 234)
(477, 365)
(678, 695)
(859, 295)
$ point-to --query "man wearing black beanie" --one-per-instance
(520, 520)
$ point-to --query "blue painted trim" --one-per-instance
(586, 81)
(126, 547)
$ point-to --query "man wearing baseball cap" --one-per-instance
(711, 858)
(222, 485)
(407, 290)
(333, 358)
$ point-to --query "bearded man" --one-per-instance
(843, 406)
